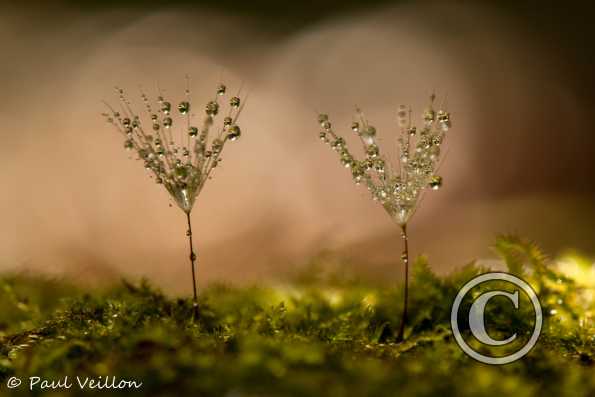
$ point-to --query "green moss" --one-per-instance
(322, 336)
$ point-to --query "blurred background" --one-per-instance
(516, 76)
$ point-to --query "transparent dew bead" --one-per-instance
(217, 145)
(322, 118)
(435, 182)
(429, 115)
(355, 126)
(323, 136)
(159, 180)
(166, 107)
(156, 127)
(212, 108)
(167, 122)
(372, 151)
(221, 89)
(154, 118)
(234, 133)
(443, 116)
(445, 125)
(126, 122)
(184, 107)
(326, 125)
(412, 131)
(346, 162)
(338, 143)
(128, 144)
(192, 131)
(234, 102)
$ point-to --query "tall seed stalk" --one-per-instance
(398, 187)
(176, 153)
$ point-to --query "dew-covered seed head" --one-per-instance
(180, 165)
(397, 185)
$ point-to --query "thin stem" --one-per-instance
(192, 260)
(405, 259)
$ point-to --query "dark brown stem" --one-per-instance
(192, 260)
(405, 259)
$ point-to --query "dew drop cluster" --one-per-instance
(397, 185)
(178, 144)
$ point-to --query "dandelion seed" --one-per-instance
(397, 187)
(182, 165)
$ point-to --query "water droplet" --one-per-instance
(372, 151)
(212, 108)
(184, 107)
(429, 116)
(370, 131)
(234, 102)
(221, 89)
(234, 133)
(167, 122)
(355, 126)
(192, 131)
(166, 107)
(217, 145)
(435, 182)
(338, 143)
(227, 121)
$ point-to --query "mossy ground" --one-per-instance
(319, 336)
